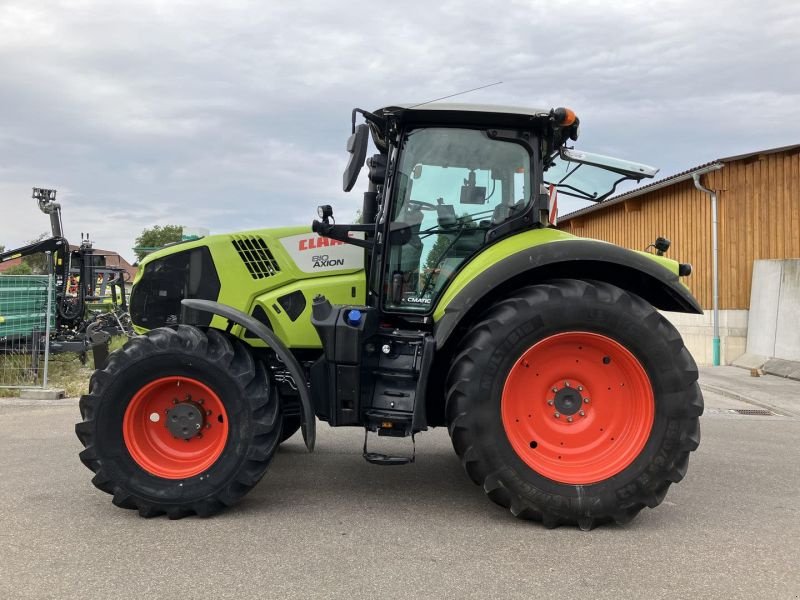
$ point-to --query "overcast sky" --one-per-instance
(232, 115)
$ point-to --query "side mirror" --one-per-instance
(357, 147)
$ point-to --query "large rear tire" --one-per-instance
(180, 421)
(574, 402)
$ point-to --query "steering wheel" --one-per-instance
(420, 205)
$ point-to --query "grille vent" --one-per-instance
(256, 256)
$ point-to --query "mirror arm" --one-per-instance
(379, 122)
(340, 233)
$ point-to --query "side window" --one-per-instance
(453, 185)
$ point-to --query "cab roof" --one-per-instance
(448, 113)
(467, 107)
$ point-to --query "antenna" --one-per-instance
(456, 94)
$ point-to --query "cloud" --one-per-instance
(234, 115)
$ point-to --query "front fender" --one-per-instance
(308, 422)
(567, 257)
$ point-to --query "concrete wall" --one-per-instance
(698, 333)
(774, 327)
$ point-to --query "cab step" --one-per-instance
(386, 460)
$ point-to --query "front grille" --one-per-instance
(156, 298)
(256, 256)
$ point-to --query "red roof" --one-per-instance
(5, 266)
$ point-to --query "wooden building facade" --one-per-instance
(758, 218)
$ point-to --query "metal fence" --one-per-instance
(27, 314)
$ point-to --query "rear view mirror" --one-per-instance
(473, 194)
(357, 147)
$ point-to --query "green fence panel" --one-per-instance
(23, 305)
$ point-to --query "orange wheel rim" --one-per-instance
(578, 407)
(175, 427)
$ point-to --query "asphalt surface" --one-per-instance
(329, 525)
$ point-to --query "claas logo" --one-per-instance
(317, 242)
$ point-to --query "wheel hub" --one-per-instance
(185, 420)
(568, 401)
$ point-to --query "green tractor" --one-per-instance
(453, 303)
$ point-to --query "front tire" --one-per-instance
(180, 421)
(574, 402)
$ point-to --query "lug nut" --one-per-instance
(557, 415)
(566, 384)
(555, 390)
(581, 413)
(586, 401)
(550, 402)
(580, 388)
(569, 419)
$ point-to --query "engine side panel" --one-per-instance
(273, 274)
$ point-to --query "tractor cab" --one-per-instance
(450, 180)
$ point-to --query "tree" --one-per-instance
(20, 269)
(36, 262)
(156, 237)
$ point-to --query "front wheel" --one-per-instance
(180, 421)
(574, 402)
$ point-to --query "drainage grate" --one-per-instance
(756, 412)
(256, 256)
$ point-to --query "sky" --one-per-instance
(234, 115)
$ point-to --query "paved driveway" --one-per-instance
(329, 525)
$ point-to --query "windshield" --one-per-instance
(453, 185)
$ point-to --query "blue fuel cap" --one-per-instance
(354, 317)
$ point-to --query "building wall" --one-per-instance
(697, 332)
(759, 218)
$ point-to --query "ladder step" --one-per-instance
(385, 460)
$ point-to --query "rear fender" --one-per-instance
(645, 275)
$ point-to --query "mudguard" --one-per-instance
(308, 419)
(643, 274)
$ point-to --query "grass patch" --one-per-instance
(66, 371)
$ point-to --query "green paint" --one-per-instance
(494, 254)
(239, 290)
(517, 243)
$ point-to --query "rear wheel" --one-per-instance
(574, 402)
(180, 421)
